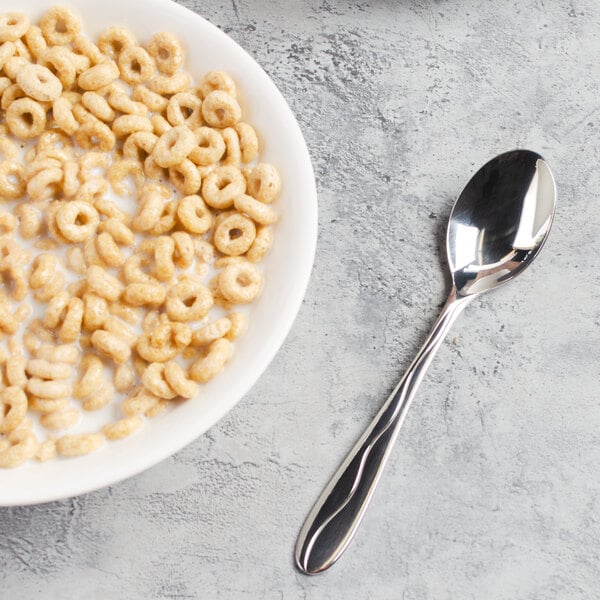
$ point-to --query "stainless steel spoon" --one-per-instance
(497, 226)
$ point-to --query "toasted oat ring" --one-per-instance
(173, 146)
(15, 399)
(185, 108)
(77, 221)
(139, 145)
(210, 146)
(234, 234)
(114, 40)
(136, 65)
(12, 182)
(261, 213)
(13, 26)
(26, 118)
(167, 51)
(220, 109)
(98, 76)
(23, 445)
(45, 183)
(222, 185)
(39, 83)
(188, 301)
(248, 141)
(95, 135)
(154, 381)
(264, 183)
(185, 177)
(161, 84)
(59, 26)
(240, 282)
(217, 80)
(194, 215)
(62, 111)
(261, 245)
(59, 61)
(127, 124)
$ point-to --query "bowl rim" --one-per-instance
(283, 325)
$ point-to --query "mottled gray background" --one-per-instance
(492, 491)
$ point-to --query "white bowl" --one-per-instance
(287, 267)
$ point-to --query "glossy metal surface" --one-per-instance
(497, 227)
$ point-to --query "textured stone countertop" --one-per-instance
(492, 491)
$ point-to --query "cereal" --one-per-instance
(81, 117)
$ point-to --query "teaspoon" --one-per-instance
(497, 226)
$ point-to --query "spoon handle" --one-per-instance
(335, 517)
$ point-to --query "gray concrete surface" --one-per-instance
(492, 491)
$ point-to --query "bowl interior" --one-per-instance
(287, 267)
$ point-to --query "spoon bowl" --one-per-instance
(497, 227)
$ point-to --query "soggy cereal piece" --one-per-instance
(206, 367)
(46, 450)
(98, 76)
(261, 213)
(178, 380)
(125, 125)
(211, 332)
(103, 283)
(12, 180)
(62, 111)
(153, 379)
(62, 353)
(95, 135)
(113, 40)
(220, 109)
(261, 245)
(162, 84)
(100, 398)
(63, 419)
(111, 346)
(23, 445)
(139, 145)
(239, 323)
(60, 62)
(122, 428)
(15, 370)
(124, 378)
(155, 102)
(248, 141)
(98, 106)
(47, 405)
(167, 51)
(233, 152)
(49, 389)
(79, 444)
(13, 408)
(59, 25)
(138, 402)
(45, 184)
(45, 369)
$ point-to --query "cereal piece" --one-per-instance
(167, 220)
(45, 184)
(51, 389)
(60, 419)
(23, 445)
(173, 146)
(144, 294)
(100, 398)
(155, 102)
(152, 198)
(162, 84)
(95, 311)
(120, 101)
(98, 76)
(136, 65)
(217, 80)
(248, 141)
(15, 370)
(210, 146)
(139, 145)
(124, 378)
(62, 63)
(220, 109)
(25, 118)
(111, 346)
(113, 40)
(95, 134)
(207, 367)
(160, 125)
(71, 325)
(234, 234)
(79, 444)
(239, 323)
(211, 332)
(70, 183)
(122, 428)
(133, 273)
(7, 50)
(185, 108)
(59, 25)
(167, 51)
(233, 152)
(154, 381)
(103, 284)
(92, 164)
(120, 170)
(47, 405)
(46, 450)
(62, 111)
(188, 301)
(178, 381)
(264, 183)
(164, 343)
(127, 124)
(13, 408)
(185, 177)
(8, 149)
(183, 255)
(138, 402)
(39, 83)
(12, 182)
(8, 223)
(44, 369)
(75, 260)
(12, 26)
(13, 66)
(118, 230)
(221, 186)
(240, 283)
(164, 248)
(77, 221)
(261, 245)
(64, 353)
(261, 213)
(98, 106)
